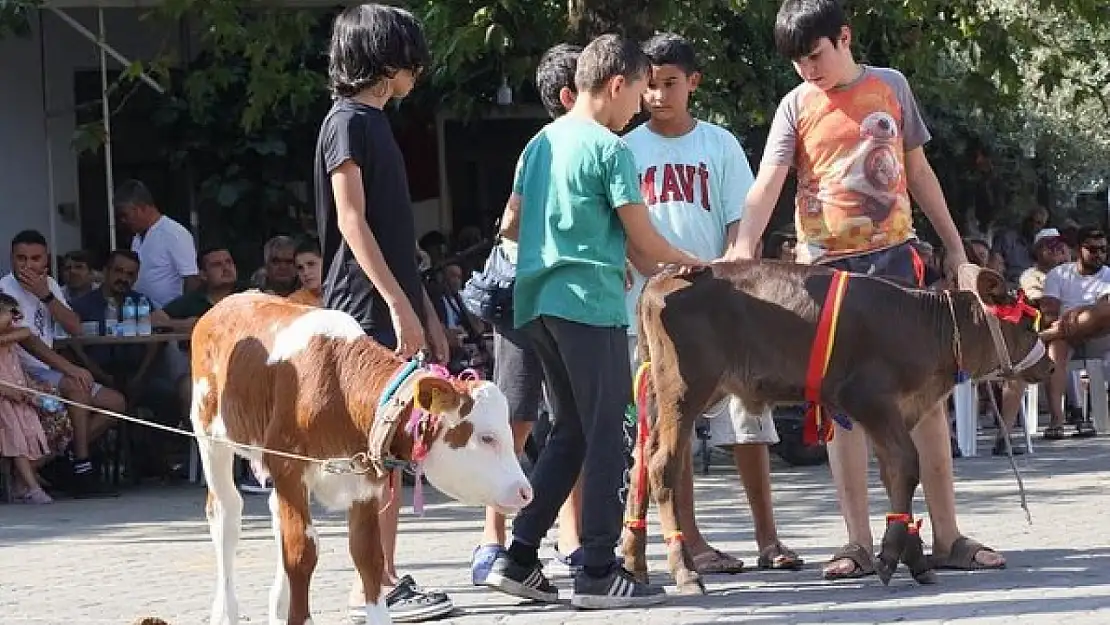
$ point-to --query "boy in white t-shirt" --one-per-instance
(694, 177)
(1075, 302)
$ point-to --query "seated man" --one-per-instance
(135, 369)
(78, 274)
(1077, 313)
(119, 366)
(278, 274)
(42, 303)
(219, 278)
(1049, 251)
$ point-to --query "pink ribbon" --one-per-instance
(419, 449)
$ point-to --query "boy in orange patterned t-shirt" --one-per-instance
(855, 136)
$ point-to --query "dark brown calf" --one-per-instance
(747, 329)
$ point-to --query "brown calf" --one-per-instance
(307, 381)
(746, 329)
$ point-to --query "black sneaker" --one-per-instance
(85, 485)
(408, 603)
(616, 590)
(526, 582)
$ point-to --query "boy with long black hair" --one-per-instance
(367, 229)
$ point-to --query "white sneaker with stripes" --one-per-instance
(616, 590)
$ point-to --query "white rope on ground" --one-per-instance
(356, 464)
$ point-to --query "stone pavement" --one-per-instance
(148, 553)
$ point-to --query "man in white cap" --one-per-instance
(1049, 250)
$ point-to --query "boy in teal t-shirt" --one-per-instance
(581, 216)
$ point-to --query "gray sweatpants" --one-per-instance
(589, 385)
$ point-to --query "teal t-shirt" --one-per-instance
(571, 177)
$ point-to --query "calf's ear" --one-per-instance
(991, 287)
(442, 398)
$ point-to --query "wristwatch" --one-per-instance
(46, 300)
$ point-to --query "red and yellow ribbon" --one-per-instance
(818, 427)
(640, 398)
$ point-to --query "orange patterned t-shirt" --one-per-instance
(849, 146)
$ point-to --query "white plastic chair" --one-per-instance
(966, 399)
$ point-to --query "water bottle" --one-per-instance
(111, 318)
(49, 404)
(127, 317)
(143, 316)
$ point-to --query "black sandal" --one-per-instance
(1054, 433)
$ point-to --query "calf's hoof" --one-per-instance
(915, 559)
(885, 569)
(894, 541)
(925, 577)
(640, 575)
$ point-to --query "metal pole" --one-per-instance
(104, 47)
(106, 112)
(51, 197)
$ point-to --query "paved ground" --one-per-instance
(149, 553)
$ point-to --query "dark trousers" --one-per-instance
(589, 386)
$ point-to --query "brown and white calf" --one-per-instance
(746, 330)
(308, 381)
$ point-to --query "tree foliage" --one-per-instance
(998, 80)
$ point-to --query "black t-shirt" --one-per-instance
(362, 134)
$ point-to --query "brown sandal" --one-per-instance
(961, 557)
(717, 562)
(865, 563)
(779, 558)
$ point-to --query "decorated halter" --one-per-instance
(423, 423)
(1014, 313)
(425, 420)
(996, 314)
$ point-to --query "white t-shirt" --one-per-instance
(167, 255)
(36, 315)
(1073, 289)
(694, 187)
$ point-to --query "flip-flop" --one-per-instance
(865, 563)
(717, 562)
(961, 557)
(779, 558)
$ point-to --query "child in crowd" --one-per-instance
(581, 214)
(21, 436)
